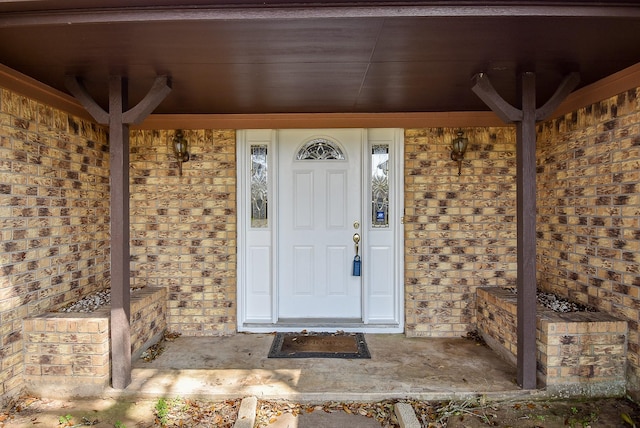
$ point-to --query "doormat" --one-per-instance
(319, 345)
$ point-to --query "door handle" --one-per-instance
(356, 260)
(356, 239)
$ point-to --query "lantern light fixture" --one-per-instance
(180, 148)
(458, 149)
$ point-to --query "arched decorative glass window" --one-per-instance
(320, 149)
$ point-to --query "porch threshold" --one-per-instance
(327, 325)
(400, 367)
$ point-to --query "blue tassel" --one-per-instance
(356, 266)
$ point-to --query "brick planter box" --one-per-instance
(68, 354)
(579, 353)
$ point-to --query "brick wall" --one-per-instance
(460, 231)
(67, 354)
(67, 350)
(497, 320)
(183, 229)
(583, 352)
(589, 211)
(54, 218)
(148, 318)
(578, 353)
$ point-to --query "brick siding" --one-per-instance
(578, 353)
(460, 231)
(183, 229)
(67, 354)
(589, 212)
(54, 218)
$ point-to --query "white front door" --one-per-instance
(320, 211)
(302, 195)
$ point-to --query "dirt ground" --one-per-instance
(177, 412)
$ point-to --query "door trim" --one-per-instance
(261, 244)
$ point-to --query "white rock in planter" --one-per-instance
(90, 303)
(558, 304)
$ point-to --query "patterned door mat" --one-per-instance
(319, 345)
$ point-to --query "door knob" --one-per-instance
(356, 238)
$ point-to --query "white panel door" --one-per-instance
(319, 202)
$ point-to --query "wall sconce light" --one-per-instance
(458, 147)
(180, 148)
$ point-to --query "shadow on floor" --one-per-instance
(400, 367)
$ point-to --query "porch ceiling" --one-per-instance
(286, 56)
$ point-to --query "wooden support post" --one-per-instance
(526, 225)
(525, 119)
(120, 289)
(119, 119)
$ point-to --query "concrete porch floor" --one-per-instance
(400, 367)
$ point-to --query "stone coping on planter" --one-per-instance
(578, 353)
(68, 354)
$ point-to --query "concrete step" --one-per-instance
(319, 419)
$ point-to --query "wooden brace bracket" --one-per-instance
(487, 93)
(567, 85)
(78, 90)
(505, 111)
(158, 92)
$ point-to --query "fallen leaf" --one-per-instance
(627, 419)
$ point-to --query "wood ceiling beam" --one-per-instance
(22, 84)
(95, 15)
(322, 120)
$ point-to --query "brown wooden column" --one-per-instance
(526, 225)
(525, 119)
(120, 289)
(119, 119)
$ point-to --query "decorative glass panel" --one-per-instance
(320, 149)
(259, 189)
(380, 185)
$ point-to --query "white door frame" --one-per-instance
(257, 300)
